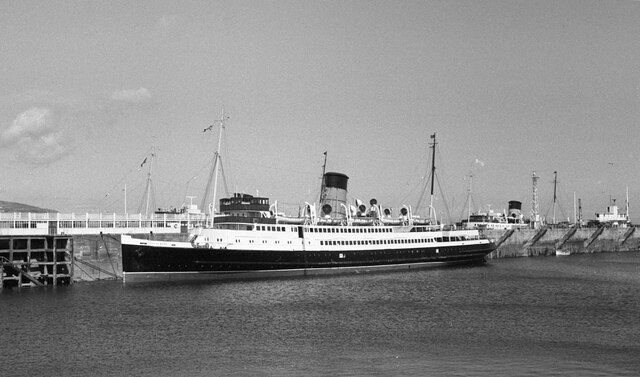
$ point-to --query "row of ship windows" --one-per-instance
(376, 242)
(274, 228)
(250, 241)
(346, 243)
(395, 242)
(270, 228)
(350, 230)
(265, 241)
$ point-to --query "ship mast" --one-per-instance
(469, 198)
(433, 173)
(217, 160)
(555, 183)
(149, 188)
(575, 213)
(627, 204)
(149, 181)
(323, 185)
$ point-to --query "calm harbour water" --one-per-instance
(577, 315)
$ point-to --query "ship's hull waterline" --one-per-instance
(156, 263)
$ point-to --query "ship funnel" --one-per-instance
(373, 211)
(334, 197)
(515, 209)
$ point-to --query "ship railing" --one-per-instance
(65, 216)
(71, 223)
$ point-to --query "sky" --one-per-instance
(90, 89)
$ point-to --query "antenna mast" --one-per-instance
(535, 217)
(580, 211)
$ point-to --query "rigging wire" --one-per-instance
(435, 176)
(113, 203)
(85, 272)
(444, 200)
(151, 192)
(428, 173)
(469, 201)
(119, 184)
(188, 182)
(552, 204)
(225, 145)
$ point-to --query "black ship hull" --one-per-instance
(147, 263)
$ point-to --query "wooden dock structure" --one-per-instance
(35, 260)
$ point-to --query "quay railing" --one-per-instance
(26, 223)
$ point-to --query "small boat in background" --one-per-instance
(562, 252)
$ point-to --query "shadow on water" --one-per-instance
(356, 274)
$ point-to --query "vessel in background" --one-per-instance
(613, 217)
(496, 220)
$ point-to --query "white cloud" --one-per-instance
(34, 137)
(131, 95)
(30, 124)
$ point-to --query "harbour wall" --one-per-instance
(545, 241)
(98, 256)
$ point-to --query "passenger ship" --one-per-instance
(250, 240)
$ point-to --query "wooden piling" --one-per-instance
(35, 260)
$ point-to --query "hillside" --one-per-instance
(10, 207)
